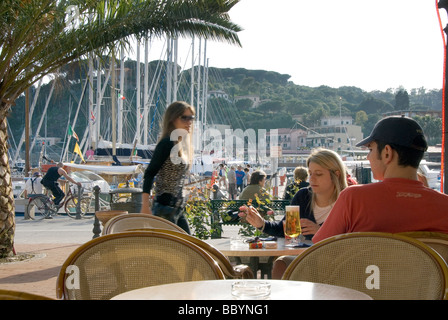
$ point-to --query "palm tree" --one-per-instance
(39, 36)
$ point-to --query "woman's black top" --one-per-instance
(168, 176)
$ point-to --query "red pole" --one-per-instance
(443, 4)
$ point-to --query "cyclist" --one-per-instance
(50, 179)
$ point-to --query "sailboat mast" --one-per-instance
(137, 108)
(198, 98)
(113, 102)
(205, 103)
(30, 116)
(169, 71)
(204, 93)
(44, 115)
(91, 94)
(192, 73)
(145, 96)
(27, 132)
(120, 101)
(96, 116)
(174, 68)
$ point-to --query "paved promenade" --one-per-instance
(51, 242)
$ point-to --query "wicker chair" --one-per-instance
(241, 271)
(384, 266)
(112, 264)
(20, 295)
(436, 240)
(125, 222)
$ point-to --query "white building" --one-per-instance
(289, 140)
(336, 133)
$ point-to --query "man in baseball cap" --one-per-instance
(399, 202)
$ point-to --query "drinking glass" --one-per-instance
(292, 225)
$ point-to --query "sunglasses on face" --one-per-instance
(187, 118)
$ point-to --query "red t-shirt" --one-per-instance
(393, 205)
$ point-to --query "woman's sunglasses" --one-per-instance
(187, 118)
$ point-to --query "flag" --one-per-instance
(71, 132)
(78, 151)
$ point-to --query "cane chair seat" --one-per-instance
(241, 271)
(436, 240)
(138, 220)
(384, 266)
(20, 295)
(112, 264)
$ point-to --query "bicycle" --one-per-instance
(44, 207)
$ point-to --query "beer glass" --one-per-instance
(292, 225)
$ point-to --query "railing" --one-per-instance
(224, 212)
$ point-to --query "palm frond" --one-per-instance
(38, 36)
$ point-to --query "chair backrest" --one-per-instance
(382, 265)
(20, 295)
(230, 271)
(112, 264)
(129, 221)
(436, 240)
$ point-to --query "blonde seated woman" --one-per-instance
(327, 178)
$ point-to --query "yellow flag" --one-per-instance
(78, 151)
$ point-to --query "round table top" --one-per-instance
(232, 248)
(222, 290)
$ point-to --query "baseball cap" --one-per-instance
(402, 131)
(37, 174)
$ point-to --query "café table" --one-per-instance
(222, 290)
(238, 249)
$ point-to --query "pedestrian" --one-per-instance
(231, 177)
(169, 165)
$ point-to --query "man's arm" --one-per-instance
(62, 172)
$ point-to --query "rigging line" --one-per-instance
(157, 101)
(152, 90)
(230, 115)
(313, 131)
(182, 74)
(11, 136)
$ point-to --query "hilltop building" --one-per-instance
(336, 133)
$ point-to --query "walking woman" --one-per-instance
(169, 165)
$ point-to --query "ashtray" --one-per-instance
(251, 289)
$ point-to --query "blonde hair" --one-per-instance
(331, 161)
(173, 112)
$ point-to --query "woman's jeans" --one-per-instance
(175, 215)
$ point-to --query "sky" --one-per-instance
(372, 45)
